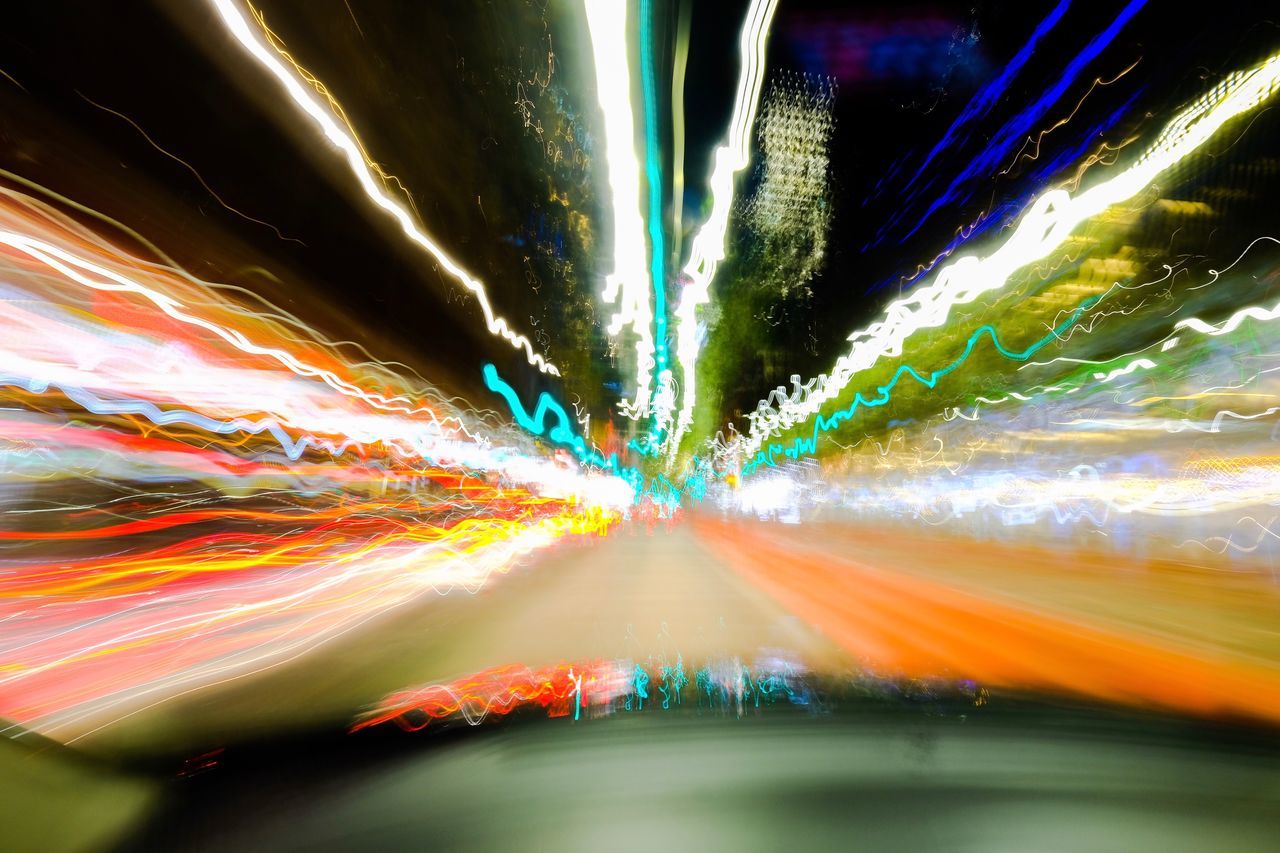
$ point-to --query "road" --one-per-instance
(1052, 621)
(630, 596)
(834, 597)
(1198, 639)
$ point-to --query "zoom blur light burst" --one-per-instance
(639, 424)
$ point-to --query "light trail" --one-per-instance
(658, 489)
(593, 688)
(653, 179)
(199, 490)
(708, 246)
(254, 495)
(145, 629)
(209, 368)
(678, 74)
(628, 285)
(1231, 323)
(339, 133)
(992, 92)
(561, 690)
(1021, 498)
(1049, 221)
(1115, 447)
(884, 393)
(996, 149)
(899, 617)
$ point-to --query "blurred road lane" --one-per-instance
(628, 596)
(1019, 616)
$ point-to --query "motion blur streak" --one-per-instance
(653, 180)
(211, 495)
(562, 689)
(596, 689)
(335, 129)
(902, 618)
(993, 91)
(1045, 226)
(708, 247)
(1006, 577)
(627, 285)
(94, 643)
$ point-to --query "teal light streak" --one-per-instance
(653, 174)
(808, 446)
(673, 681)
(560, 431)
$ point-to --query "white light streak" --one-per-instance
(341, 136)
(708, 247)
(628, 284)
(1050, 219)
